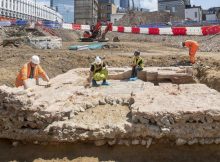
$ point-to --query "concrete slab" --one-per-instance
(49, 42)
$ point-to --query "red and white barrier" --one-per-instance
(205, 30)
(68, 26)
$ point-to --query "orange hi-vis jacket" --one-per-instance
(193, 47)
(25, 73)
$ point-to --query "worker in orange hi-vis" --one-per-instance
(193, 47)
(31, 70)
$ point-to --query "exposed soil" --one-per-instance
(56, 62)
(89, 153)
(210, 77)
(60, 61)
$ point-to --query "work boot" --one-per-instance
(94, 83)
(133, 79)
(104, 83)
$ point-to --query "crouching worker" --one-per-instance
(138, 65)
(31, 70)
(193, 47)
(98, 72)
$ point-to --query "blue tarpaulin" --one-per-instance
(92, 46)
(51, 24)
(5, 23)
(21, 22)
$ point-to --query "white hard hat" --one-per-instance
(181, 44)
(98, 60)
(35, 59)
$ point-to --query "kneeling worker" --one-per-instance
(98, 72)
(138, 65)
(31, 70)
(193, 47)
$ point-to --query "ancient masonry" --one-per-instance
(165, 105)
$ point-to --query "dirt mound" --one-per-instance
(67, 35)
(138, 18)
(1, 36)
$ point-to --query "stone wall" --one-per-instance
(124, 113)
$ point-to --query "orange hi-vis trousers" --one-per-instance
(193, 47)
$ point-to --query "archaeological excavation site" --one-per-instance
(170, 113)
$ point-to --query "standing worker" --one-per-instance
(98, 72)
(193, 47)
(137, 65)
(31, 70)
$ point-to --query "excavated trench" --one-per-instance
(89, 153)
(127, 121)
(209, 76)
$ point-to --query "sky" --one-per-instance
(206, 4)
(152, 4)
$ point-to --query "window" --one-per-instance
(109, 8)
(196, 15)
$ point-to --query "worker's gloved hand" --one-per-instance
(29, 90)
(87, 85)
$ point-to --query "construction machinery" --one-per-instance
(96, 33)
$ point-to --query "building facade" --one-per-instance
(65, 8)
(106, 1)
(28, 10)
(175, 7)
(194, 13)
(85, 11)
(116, 17)
(213, 14)
(106, 9)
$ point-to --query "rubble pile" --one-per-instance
(68, 35)
(1, 35)
(49, 42)
(18, 36)
(124, 113)
(139, 18)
